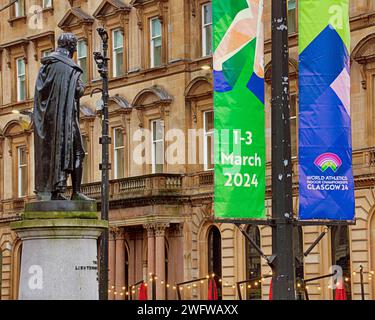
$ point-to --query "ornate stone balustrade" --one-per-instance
(174, 186)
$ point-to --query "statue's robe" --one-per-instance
(55, 110)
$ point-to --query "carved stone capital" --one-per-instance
(150, 227)
(117, 233)
(160, 229)
(112, 233)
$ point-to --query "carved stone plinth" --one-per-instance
(59, 250)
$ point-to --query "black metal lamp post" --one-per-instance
(283, 284)
(101, 60)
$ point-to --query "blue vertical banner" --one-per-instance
(326, 184)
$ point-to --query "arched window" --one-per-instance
(341, 254)
(214, 256)
(253, 265)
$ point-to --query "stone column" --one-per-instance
(179, 253)
(120, 264)
(160, 260)
(176, 258)
(139, 256)
(112, 263)
(150, 256)
(132, 256)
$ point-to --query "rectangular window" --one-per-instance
(21, 79)
(207, 29)
(82, 58)
(156, 42)
(293, 125)
(118, 53)
(292, 16)
(19, 8)
(22, 171)
(85, 175)
(119, 153)
(157, 151)
(47, 4)
(208, 144)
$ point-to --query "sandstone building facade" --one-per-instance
(161, 212)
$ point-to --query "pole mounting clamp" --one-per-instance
(103, 166)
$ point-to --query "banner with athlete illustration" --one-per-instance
(326, 186)
(238, 63)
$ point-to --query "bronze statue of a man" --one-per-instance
(57, 137)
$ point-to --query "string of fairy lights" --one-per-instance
(131, 290)
(254, 284)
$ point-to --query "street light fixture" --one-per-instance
(101, 59)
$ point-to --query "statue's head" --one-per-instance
(68, 41)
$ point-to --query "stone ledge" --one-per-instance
(58, 223)
(59, 215)
(61, 206)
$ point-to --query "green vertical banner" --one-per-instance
(238, 63)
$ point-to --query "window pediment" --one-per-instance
(15, 128)
(155, 100)
(364, 52)
(119, 104)
(75, 17)
(145, 5)
(111, 7)
(154, 95)
(364, 55)
(198, 88)
(15, 47)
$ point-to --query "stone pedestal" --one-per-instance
(59, 259)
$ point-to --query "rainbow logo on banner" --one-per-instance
(328, 160)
